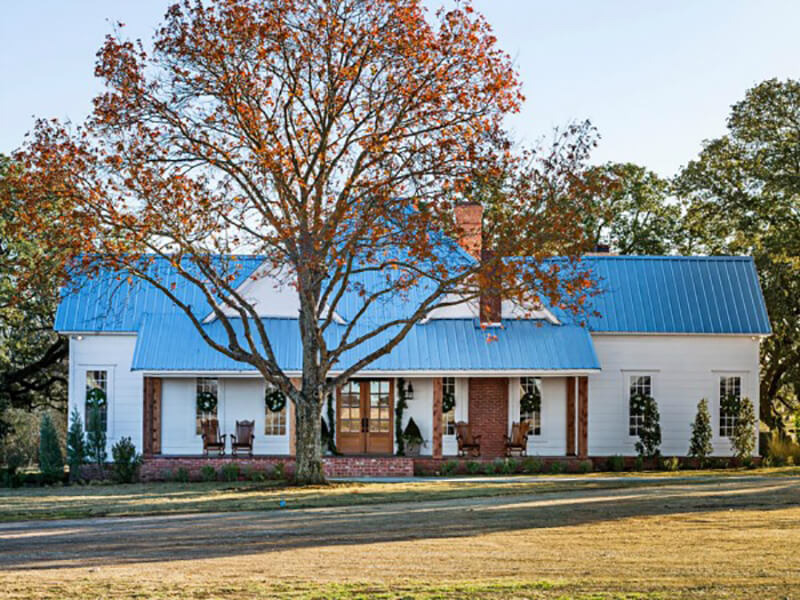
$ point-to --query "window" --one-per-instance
(350, 405)
(730, 387)
(275, 422)
(449, 417)
(209, 385)
(531, 385)
(639, 385)
(97, 380)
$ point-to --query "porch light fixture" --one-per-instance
(410, 391)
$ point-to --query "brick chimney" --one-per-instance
(469, 218)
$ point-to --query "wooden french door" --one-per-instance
(365, 417)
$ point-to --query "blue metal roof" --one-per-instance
(171, 343)
(677, 294)
(111, 303)
(640, 294)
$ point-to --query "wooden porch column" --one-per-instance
(298, 383)
(151, 417)
(437, 417)
(570, 416)
(583, 417)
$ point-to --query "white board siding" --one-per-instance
(553, 438)
(421, 410)
(240, 399)
(684, 369)
(114, 354)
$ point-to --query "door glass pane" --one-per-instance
(379, 406)
(350, 421)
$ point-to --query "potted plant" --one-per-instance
(412, 438)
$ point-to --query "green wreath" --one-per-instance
(448, 402)
(274, 399)
(530, 402)
(96, 397)
(206, 402)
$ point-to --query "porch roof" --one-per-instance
(170, 343)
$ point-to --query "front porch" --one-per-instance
(364, 414)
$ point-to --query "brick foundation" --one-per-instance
(159, 468)
(488, 413)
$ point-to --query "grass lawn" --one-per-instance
(701, 538)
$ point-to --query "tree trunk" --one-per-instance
(308, 416)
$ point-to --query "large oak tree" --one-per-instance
(332, 137)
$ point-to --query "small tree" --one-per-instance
(744, 439)
(96, 437)
(51, 460)
(702, 433)
(76, 444)
(650, 428)
(126, 460)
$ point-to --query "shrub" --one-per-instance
(672, 464)
(532, 465)
(230, 472)
(638, 464)
(744, 430)
(76, 444)
(279, 471)
(254, 474)
(208, 473)
(781, 450)
(650, 428)
(616, 463)
(473, 467)
(96, 438)
(702, 433)
(585, 466)
(510, 466)
(557, 467)
(126, 461)
(489, 468)
(181, 475)
(449, 467)
(51, 460)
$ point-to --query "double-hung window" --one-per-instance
(533, 386)
(730, 389)
(208, 387)
(449, 417)
(638, 385)
(97, 400)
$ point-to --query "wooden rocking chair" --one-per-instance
(243, 440)
(212, 440)
(467, 443)
(518, 440)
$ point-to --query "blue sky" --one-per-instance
(655, 76)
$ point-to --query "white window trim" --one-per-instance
(514, 412)
(220, 405)
(626, 391)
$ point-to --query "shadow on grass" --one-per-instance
(190, 537)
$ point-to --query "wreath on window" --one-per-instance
(206, 402)
(274, 399)
(448, 401)
(96, 397)
(531, 402)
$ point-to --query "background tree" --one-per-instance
(743, 197)
(700, 445)
(634, 211)
(33, 358)
(333, 139)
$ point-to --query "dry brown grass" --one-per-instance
(731, 539)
